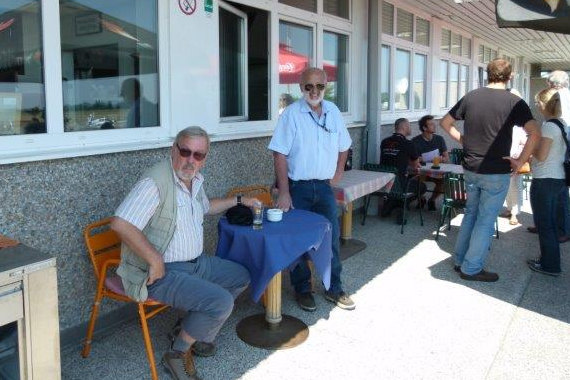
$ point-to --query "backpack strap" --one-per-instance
(561, 126)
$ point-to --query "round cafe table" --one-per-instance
(265, 253)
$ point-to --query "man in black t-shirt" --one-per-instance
(489, 115)
(399, 152)
(427, 142)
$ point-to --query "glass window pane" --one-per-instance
(232, 54)
(402, 80)
(387, 18)
(420, 75)
(455, 44)
(465, 47)
(453, 84)
(493, 54)
(445, 40)
(422, 31)
(481, 54)
(308, 5)
(385, 78)
(442, 84)
(404, 25)
(22, 92)
(463, 85)
(487, 56)
(335, 63)
(338, 8)
(295, 55)
(109, 56)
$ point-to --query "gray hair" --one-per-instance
(312, 70)
(192, 132)
(558, 79)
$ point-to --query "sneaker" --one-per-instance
(431, 205)
(306, 301)
(202, 349)
(505, 214)
(482, 276)
(533, 261)
(537, 267)
(513, 221)
(180, 365)
(532, 230)
(341, 300)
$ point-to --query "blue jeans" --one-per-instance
(485, 196)
(545, 195)
(563, 214)
(317, 196)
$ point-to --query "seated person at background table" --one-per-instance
(426, 142)
(310, 146)
(142, 113)
(160, 224)
(399, 152)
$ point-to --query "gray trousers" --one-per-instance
(205, 288)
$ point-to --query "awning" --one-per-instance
(546, 15)
(292, 64)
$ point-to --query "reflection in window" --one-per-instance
(336, 66)
(401, 80)
(385, 78)
(295, 55)
(420, 72)
(442, 84)
(337, 7)
(453, 83)
(22, 93)
(109, 54)
(463, 84)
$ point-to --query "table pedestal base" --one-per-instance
(256, 331)
(350, 247)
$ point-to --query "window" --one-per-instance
(295, 55)
(402, 82)
(387, 18)
(456, 44)
(454, 68)
(385, 71)
(420, 77)
(442, 84)
(244, 63)
(22, 91)
(465, 47)
(308, 5)
(335, 63)
(453, 83)
(338, 8)
(404, 25)
(464, 81)
(109, 60)
(422, 31)
(446, 40)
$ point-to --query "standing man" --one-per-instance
(489, 115)
(310, 146)
(160, 224)
(427, 142)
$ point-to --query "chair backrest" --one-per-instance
(454, 187)
(397, 186)
(261, 192)
(102, 243)
(456, 156)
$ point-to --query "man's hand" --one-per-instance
(156, 271)
(515, 164)
(284, 201)
(249, 201)
(337, 177)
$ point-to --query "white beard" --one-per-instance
(314, 102)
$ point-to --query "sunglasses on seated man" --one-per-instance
(198, 156)
(309, 87)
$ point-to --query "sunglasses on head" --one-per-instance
(198, 156)
(309, 87)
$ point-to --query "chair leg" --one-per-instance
(441, 220)
(366, 204)
(404, 206)
(147, 343)
(91, 327)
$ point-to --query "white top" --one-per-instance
(312, 152)
(564, 94)
(552, 166)
(519, 140)
(188, 240)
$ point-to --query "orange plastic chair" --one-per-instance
(104, 247)
(261, 192)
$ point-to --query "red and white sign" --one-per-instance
(187, 6)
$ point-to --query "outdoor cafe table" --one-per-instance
(428, 171)
(353, 185)
(265, 253)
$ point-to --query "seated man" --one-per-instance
(160, 224)
(427, 142)
(399, 152)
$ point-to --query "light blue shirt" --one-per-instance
(311, 150)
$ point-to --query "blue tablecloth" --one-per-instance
(277, 246)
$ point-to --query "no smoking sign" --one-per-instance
(187, 6)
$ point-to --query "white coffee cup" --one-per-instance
(274, 215)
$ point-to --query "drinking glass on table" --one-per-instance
(257, 215)
(436, 161)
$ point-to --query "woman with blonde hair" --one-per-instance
(548, 181)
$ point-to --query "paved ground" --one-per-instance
(415, 319)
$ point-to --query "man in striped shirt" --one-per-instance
(160, 224)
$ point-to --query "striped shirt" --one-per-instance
(188, 240)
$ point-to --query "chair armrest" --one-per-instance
(107, 264)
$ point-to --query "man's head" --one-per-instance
(427, 124)
(402, 126)
(558, 79)
(131, 89)
(499, 71)
(189, 151)
(313, 84)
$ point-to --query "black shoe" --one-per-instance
(341, 300)
(482, 276)
(457, 268)
(537, 267)
(532, 230)
(533, 261)
(431, 205)
(306, 301)
(203, 349)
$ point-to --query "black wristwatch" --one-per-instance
(238, 199)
